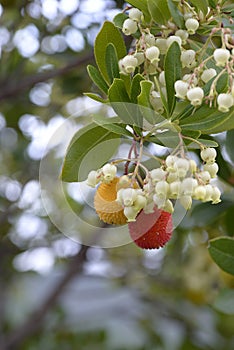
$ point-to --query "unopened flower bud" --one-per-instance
(208, 155)
(175, 189)
(162, 189)
(168, 206)
(212, 169)
(183, 35)
(149, 39)
(188, 58)
(204, 177)
(186, 202)
(181, 89)
(92, 180)
(192, 166)
(162, 45)
(140, 57)
(158, 175)
(195, 96)
(208, 74)
(188, 186)
(225, 101)
(152, 54)
(215, 197)
(192, 25)
(182, 167)
(221, 57)
(199, 193)
(162, 79)
(135, 14)
(129, 27)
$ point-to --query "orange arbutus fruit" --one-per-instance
(151, 231)
(106, 206)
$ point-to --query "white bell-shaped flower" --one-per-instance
(188, 58)
(221, 57)
(195, 96)
(192, 25)
(152, 54)
(208, 74)
(225, 102)
(92, 179)
(129, 27)
(109, 172)
(135, 14)
(208, 155)
(128, 64)
(212, 169)
(181, 89)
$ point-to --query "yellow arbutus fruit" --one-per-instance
(106, 206)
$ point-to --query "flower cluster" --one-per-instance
(178, 178)
(199, 74)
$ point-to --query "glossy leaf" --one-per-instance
(175, 13)
(79, 160)
(230, 144)
(159, 11)
(222, 252)
(108, 34)
(172, 73)
(201, 5)
(205, 119)
(97, 78)
(119, 19)
(112, 66)
(136, 87)
(95, 97)
(121, 103)
(112, 124)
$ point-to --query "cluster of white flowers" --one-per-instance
(177, 179)
(105, 175)
(149, 50)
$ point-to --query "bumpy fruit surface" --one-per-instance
(151, 231)
(106, 206)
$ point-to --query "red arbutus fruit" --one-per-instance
(151, 231)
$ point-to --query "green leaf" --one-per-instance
(230, 144)
(136, 87)
(172, 73)
(95, 97)
(201, 5)
(121, 103)
(112, 124)
(108, 34)
(205, 119)
(89, 149)
(97, 78)
(224, 302)
(141, 5)
(159, 11)
(175, 13)
(143, 100)
(222, 252)
(112, 66)
(119, 20)
(222, 83)
(213, 3)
